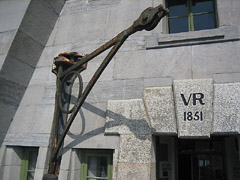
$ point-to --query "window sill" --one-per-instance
(221, 34)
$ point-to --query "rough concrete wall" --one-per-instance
(10, 166)
(11, 15)
(83, 26)
(24, 31)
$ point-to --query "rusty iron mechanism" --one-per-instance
(68, 67)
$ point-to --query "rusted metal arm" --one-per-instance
(148, 20)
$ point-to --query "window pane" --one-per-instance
(97, 166)
(32, 160)
(30, 176)
(204, 21)
(177, 8)
(177, 25)
(199, 6)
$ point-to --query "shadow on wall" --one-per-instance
(133, 125)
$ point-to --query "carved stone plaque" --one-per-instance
(193, 100)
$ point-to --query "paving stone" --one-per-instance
(193, 101)
(160, 109)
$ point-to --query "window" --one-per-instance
(96, 164)
(191, 15)
(28, 163)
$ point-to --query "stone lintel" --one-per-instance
(160, 109)
(193, 100)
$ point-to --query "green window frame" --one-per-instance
(191, 15)
(99, 156)
(28, 163)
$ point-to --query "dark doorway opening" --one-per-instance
(201, 159)
(185, 166)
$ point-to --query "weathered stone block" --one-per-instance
(133, 171)
(10, 92)
(135, 148)
(116, 23)
(51, 52)
(11, 172)
(33, 96)
(126, 117)
(66, 160)
(42, 160)
(90, 119)
(6, 39)
(193, 100)
(38, 21)
(36, 120)
(92, 67)
(133, 88)
(43, 76)
(215, 58)
(38, 28)
(157, 82)
(26, 139)
(19, 73)
(7, 112)
(72, 28)
(12, 156)
(226, 108)
(2, 59)
(107, 90)
(74, 7)
(13, 6)
(26, 49)
(11, 21)
(160, 108)
(96, 141)
(154, 63)
(226, 77)
(49, 94)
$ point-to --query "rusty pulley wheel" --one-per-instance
(71, 76)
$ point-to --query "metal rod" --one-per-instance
(148, 20)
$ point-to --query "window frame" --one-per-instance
(99, 153)
(191, 15)
(25, 161)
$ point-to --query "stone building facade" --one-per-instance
(167, 107)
